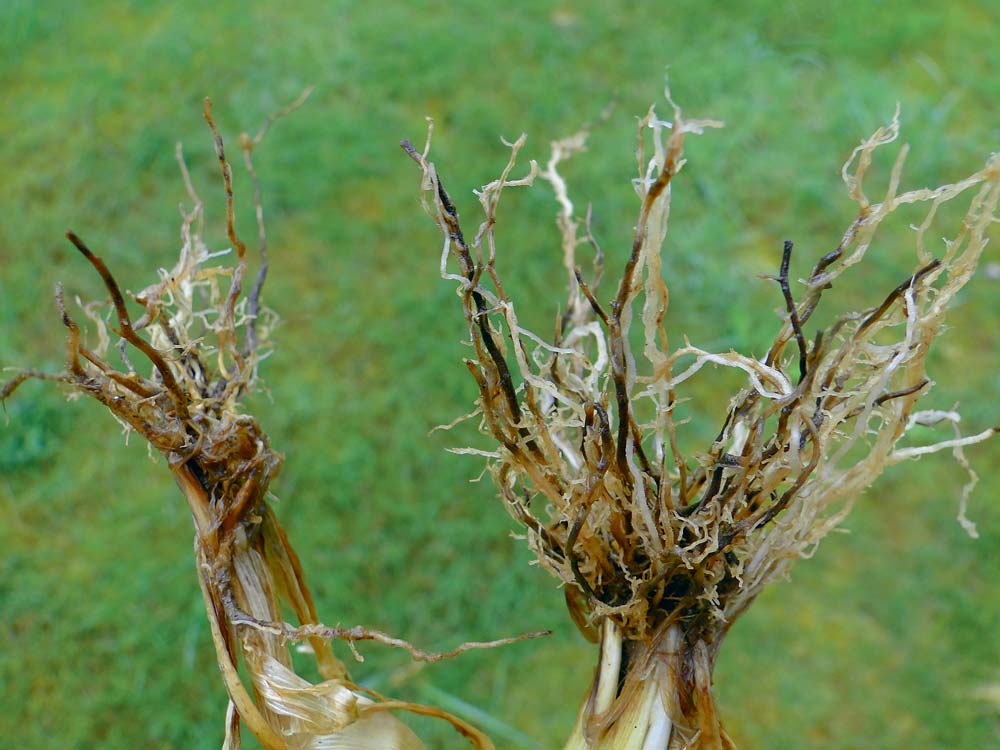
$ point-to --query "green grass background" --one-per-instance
(886, 639)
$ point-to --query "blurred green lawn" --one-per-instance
(888, 638)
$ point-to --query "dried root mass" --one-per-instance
(659, 552)
(200, 340)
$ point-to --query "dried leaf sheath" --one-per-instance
(659, 552)
(200, 340)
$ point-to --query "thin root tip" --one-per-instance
(78, 243)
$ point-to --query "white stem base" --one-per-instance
(664, 701)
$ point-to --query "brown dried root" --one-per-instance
(659, 553)
(201, 340)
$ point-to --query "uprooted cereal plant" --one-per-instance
(204, 339)
(659, 553)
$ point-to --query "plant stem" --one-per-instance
(655, 696)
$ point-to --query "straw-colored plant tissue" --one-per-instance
(201, 340)
(659, 553)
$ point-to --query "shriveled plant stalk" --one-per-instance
(201, 340)
(660, 553)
